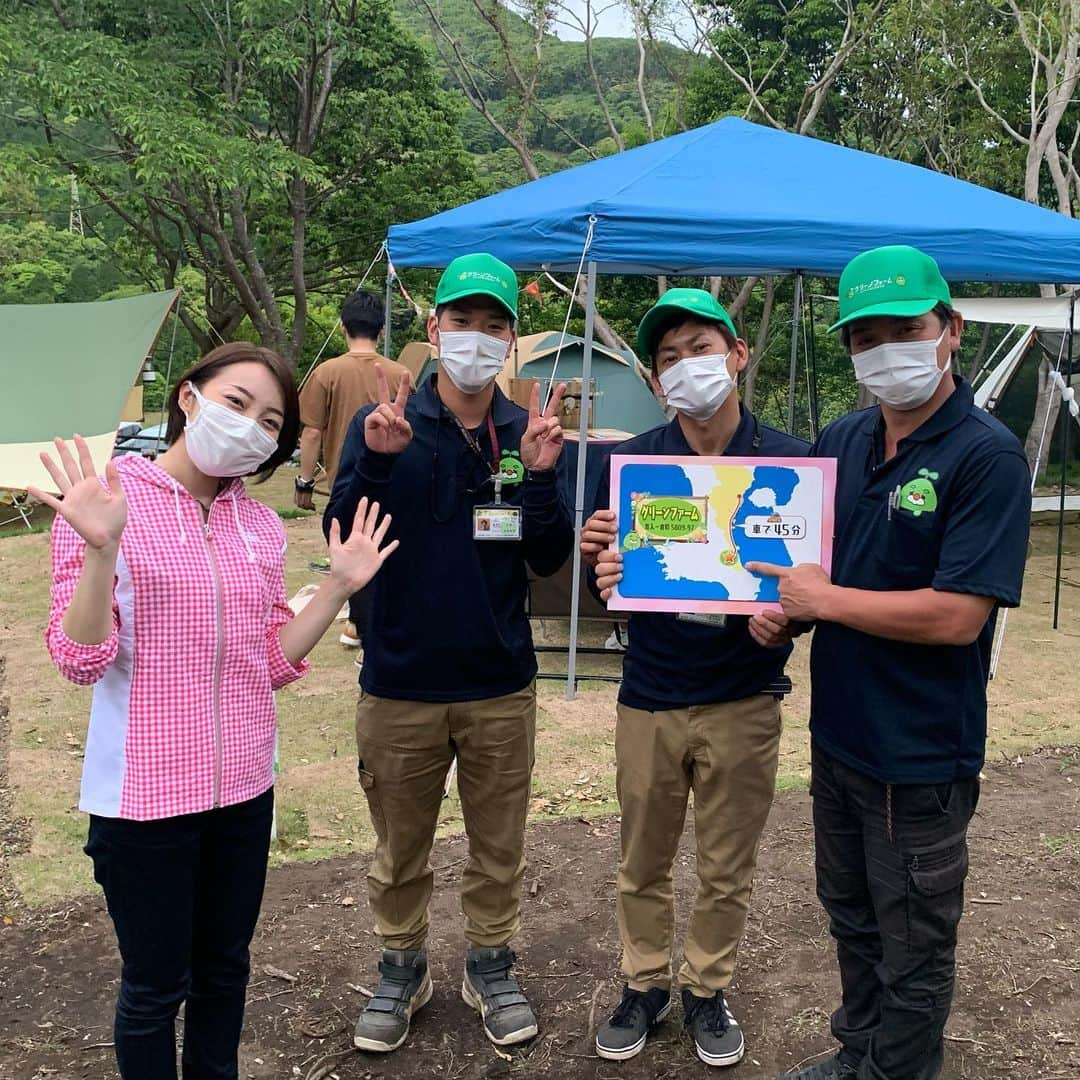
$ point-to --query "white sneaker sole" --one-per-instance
(632, 1051)
(473, 999)
(349, 642)
(420, 999)
(732, 1058)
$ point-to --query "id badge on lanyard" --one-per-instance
(495, 520)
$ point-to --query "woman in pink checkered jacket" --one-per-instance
(168, 597)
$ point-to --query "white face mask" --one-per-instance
(472, 359)
(902, 374)
(221, 442)
(698, 385)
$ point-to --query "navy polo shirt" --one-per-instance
(448, 612)
(670, 663)
(950, 511)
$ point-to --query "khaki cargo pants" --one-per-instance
(727, 755)
(405, 750)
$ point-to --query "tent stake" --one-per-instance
(796, 305)
(1065, 426)
(579, 491)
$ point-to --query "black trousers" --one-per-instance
(891, 862)
(184, 896)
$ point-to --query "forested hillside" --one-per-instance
(254, 152)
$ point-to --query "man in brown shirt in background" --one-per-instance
(333, 394)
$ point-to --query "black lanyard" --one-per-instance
(474, 446)
(490, 468)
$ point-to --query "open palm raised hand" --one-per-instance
(386, 431)
(97, 513)
(354, 562)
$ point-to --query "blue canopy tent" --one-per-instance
(736, 198)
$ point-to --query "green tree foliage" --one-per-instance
(41, 264)
(266, 143)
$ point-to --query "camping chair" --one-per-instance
(22, 503)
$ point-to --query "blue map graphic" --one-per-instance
(645, 574)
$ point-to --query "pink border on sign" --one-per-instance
(827, 468)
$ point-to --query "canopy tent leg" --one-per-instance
(386, 315)
(811, 337)
(796, 306)
(1065, 426)
(579, 490)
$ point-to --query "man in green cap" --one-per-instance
(933, 504)
(472, 482)
(698, 710)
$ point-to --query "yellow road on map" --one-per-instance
(725, 497)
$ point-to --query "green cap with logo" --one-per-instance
(896, 280)
(696, 302)
(479, 274)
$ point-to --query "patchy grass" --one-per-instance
(321, 810)
(1056, 844)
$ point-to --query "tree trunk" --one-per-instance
(750, 375)
(1047, 407)
(984, 341)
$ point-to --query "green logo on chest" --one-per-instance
(918, 496)
(511, 470)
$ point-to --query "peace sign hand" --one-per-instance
(96, 513)
(543, 439)
(356, 561)
(386, 431)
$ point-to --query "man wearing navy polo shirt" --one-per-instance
(932, 514)
(698, 711)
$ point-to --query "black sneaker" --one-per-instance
(404, 988)
(833, 1069)
(633, 1021)
(717, 1035)
(491, 989)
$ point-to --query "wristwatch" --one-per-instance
(304, 485)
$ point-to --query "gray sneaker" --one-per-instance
(491, 989)
(832, 1069)
(404, 988)
(633, 1021)
(717, 1035)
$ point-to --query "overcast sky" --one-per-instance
(614, 21)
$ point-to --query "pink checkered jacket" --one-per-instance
(182, 718)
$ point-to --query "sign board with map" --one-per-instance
(689, 525)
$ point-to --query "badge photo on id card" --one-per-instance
(497, 522)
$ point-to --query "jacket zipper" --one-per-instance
(219, 605)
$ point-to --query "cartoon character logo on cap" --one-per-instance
(918, 496)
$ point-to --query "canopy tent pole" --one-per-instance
(796, 305)
(579, 491)
(1065, 427)
(815, 410)
(386, 314)
(995, 654)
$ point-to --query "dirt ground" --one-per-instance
(1016, 1015)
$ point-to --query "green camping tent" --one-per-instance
(67, 368)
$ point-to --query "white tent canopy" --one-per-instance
(1041, 312)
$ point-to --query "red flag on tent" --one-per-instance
(533, 289)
